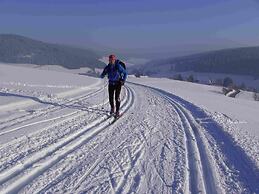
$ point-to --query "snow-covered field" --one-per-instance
(174, 137)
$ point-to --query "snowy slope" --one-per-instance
(243, 110)
(169, 139)
(245, 95)
(41, 83)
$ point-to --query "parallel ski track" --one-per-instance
(123, 170)
(63, 122)
(200, 171)
(208, 166)
(200, 176)
(124, 176)
(45, 159)
(101, 159)
(70, 115)
(48, 110)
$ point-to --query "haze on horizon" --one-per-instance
(166, 27)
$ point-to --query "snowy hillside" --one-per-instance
(19, 49)
(56, 136)
(236, 61)
(240, 64)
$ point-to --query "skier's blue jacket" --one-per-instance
(115, 73)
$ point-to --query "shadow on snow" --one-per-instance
(72, 106)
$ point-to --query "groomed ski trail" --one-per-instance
(162, 144)
(50, 109)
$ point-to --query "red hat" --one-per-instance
(112, 57)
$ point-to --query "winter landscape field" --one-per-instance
(129, 97)
(174, 137)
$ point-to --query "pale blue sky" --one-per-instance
(137, 25)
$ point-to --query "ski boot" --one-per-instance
(112, 111)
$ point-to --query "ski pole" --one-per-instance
(104, 83)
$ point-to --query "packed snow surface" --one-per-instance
(56, 136)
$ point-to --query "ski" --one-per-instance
(116, 118)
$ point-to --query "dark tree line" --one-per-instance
(19, 49)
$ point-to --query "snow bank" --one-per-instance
(241, 110)
(18, 83)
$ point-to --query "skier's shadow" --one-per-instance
(71, 106)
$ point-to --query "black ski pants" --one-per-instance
(114, 88)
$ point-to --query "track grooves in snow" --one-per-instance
(57, 106)
(234, 158)
(133, 162)
(202, 176)
(67, 123)
(59, 151)
(52, 119)
(245, 175)
(62, 123)
(124, 164)
(162, 144)
(101, 159)
(69, 102)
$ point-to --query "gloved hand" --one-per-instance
(122, 82)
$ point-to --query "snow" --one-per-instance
(245, 95)
(16, 74)
(20, 82)
(56, 136)
(238, 116)
(241, 109)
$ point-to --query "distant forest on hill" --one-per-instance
(19, 49)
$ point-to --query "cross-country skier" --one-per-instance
(117, 76)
